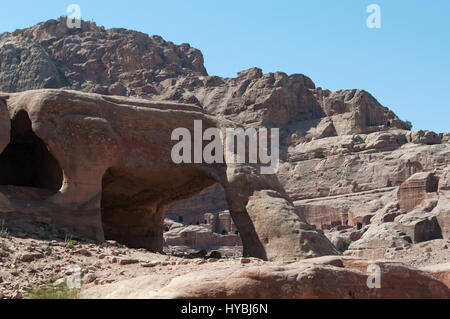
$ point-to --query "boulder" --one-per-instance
(376, 239)
(425, 137)
(330, 278)
(420, 226)
(415, 189)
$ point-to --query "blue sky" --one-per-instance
(405, 64)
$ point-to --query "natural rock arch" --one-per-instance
(115, 154)
(133, 202)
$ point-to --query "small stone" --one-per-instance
(198, 261)
(215, 255)
(83, 252)
(16, 295)
(111, 243)
(60, 281)
(151, 264)
(112, 260)
(27, 258)
(245, 260)
(90, 278)
(124, 261)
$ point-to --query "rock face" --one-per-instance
(5, 124)
(92, 59)
(104, 167)
(440, 271)
(415, 189)
(332, 278)
(210, 200)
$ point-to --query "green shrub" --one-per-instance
(4, 232)
(54, 292)
(70, 243)
(409, 125)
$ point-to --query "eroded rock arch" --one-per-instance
(118, 174)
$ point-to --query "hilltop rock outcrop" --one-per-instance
(91, 59)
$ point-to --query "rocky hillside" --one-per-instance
(115, 61)
(130, 63)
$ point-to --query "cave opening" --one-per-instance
(208, 209)
(26, 161)
(135, 201)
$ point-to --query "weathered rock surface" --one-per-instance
(106, 162)
(440, 271)
(336, 277)
(92, 59)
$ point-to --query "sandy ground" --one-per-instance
(27, 263)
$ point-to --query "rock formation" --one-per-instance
(91, 59)
(105, 165)
(330, 278)
(352, 168)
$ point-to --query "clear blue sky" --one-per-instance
(405, 64)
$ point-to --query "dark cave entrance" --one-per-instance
(136, 203)
(134, 200)
(26, 161)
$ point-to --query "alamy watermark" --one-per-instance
(241, 146)
(74, 17)
(374, 279)
(374, 19)
(73, 281)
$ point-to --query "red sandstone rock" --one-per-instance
(335, 278)
(441, 272)
(106, 162)
(414, 190)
